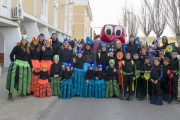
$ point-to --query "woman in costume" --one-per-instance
(65, 54)
(47, 55)
(19, 73)
(35, 56)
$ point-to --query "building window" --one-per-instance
(55, 16)
(44, 7)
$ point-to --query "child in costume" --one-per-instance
(55, 76)
(112, 87)
(138, 66)
(155, 42)
(19, 71)
(43, 87)
(165, 79)
(67, 85)
(142, 54)
(78, 74)
(75, 50)
(100, 85)
(111, 56)
(35, 57)
(102, 56)
(156, 77)
(152, 53)
(146, 69)
(161, 57)
(47, 55)
(128, 68)
(89, 83)
(175, 68)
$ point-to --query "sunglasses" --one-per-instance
(164, 38)
(173, 53)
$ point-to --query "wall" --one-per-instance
(28, 6)
(51, 12)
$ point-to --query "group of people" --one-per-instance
(43, 69)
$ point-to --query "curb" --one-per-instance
(42, 112)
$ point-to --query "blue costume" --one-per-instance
(67, 85)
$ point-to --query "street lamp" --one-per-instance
(68, 4)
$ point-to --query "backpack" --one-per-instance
(131, 62)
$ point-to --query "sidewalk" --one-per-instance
(31, 108)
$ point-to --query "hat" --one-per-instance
(111, 61)
(100, 65)
(24, 37)
(35, 38)
(91, 64)
(44, 66)
(80, 51)
(48, 40)
(154, 41)
(68, 64)
(56, 57)
(87, 43)
(111, 50)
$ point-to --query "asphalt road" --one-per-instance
(111, 109)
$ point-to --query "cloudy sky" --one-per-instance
(108, 12)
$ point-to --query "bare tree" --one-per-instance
(158, 16)
(129, 20)
(145, 20)
(173, 17)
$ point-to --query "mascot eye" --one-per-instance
(50, 41)
(108, 30)
(42, 66)
(118, 31)
(45, 66)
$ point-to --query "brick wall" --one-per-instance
(2, 59)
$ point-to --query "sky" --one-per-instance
(108, 12)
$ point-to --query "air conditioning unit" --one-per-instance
(17, 13)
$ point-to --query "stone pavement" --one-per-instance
(31, 108)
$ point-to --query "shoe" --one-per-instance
(128, 98)
(142, 98)
(176, 102)
(132, 97)
(10, 98)
(124, 97)
(139, 97)
(171, 100)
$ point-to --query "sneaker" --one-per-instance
(10, 98)
(171, 100)
(132, 97)
(128, 98)
(142, 98)
(176, 101)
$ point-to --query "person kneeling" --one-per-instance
(112, 87)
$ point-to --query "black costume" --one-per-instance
(101, 58)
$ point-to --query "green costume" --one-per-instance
(24, 81)
(112, 88)
(55, 85)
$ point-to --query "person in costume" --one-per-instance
(67, 84)
(100, 85)
(43, 87)
(89, 56)
(175, 67)
(55, 44)
(118, 48)
(131, 47)
(75, 49)
(111, 56)
(41, 38)
(152, 53)
(55, 76)
(142, 54)
(35, 49)
(89, 85)
(78, 74)
(112, 87)
(146, 68)
(65, 54)
(155, 42)
(138, 65)
(47, 55)
(161, 57)
(165, 44)
(165, 79)
(19, 72)
(128, 68)
(156, 77)
(102, 56)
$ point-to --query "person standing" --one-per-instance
(41, 38)
(165, 44)
(19, 72)
(55, 44)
